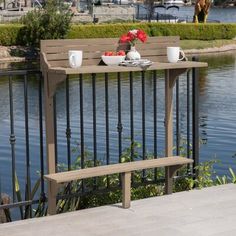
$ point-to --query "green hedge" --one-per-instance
(185, 31)
(12, 34)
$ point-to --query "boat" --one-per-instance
(174, 2)
(124, 2)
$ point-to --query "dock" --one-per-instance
(209, 211)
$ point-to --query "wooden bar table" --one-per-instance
(55, 75)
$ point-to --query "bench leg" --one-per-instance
(170, 172)
(126, 189)
(52, 198)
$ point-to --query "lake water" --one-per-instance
(217, 118)
(186, 13)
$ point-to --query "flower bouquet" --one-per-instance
(132, 37)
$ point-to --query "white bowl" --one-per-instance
(113, 60)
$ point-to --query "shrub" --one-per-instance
(10, 34)
(185, 31)
(104, 30)
(195, 31)
(49, 23)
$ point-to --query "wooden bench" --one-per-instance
(55, 67)
(171, 164)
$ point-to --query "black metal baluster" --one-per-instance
(81, 121)
(107, 124)
(94, 124)
(68, 130)
(12, 141)
(131, 119)
(81, 125)
(143, 122)
(195, 117)
(188, 120)
(119, 125)
(55, 130)
(28, 209)
(155, 119)
(188, 114)
(41, 139)
(131, 115)
(177, 117)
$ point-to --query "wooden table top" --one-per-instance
(111, 69)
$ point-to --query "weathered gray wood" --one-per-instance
(56, 51)
(52, 197)
(68, 176)
(55, 67)
(4, 199)
(112, 69)
(171, 163)
(126, 189)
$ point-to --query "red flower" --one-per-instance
(141, 35)
(125, 38)
(132, 37)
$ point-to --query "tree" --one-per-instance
(52, 22)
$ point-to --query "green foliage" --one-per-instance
(49, 24)
(113, 194)
(195, 31)
(225, 179)
(185, 31)
(53, 22)
(10, 34)
(205, 174)
(104, 30)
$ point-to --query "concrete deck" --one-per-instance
(210, 211)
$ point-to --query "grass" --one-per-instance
(201, 44)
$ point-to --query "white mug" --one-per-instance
(75, 58)
(173, 54)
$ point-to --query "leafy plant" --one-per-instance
(225, 179)
(52, 22)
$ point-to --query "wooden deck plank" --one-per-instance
(205, 212)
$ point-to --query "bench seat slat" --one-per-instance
(116, 168)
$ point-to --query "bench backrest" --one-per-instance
(56, 51)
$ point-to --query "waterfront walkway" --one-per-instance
(210, 211)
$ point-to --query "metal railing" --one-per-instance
(102, 129)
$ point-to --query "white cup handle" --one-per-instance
(72, 60)
(183, 55)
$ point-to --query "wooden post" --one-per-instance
(170, 78)
(49, 126)
(52, 198)
(126, 189)
(169, 85)
(50, 84)
(170, 172)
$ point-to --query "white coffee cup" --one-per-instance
(75, 58)
(173, 54)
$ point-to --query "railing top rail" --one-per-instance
(19, 72)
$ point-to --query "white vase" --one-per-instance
(133, 54)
